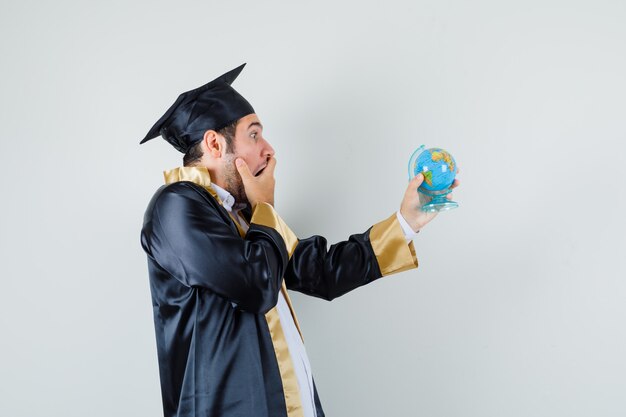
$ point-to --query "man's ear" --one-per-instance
(212, 143)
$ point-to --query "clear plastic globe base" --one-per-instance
(439, 203)
(439, 170)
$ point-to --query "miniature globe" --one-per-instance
(439, 169)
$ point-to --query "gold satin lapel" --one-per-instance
(291, 388)
(293, 312)
(197, 175)
(264, 214)
(390, 247)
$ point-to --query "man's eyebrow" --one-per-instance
(255, 124)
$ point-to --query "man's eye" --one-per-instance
(253, 135)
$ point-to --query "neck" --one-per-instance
(218, 180)
(224, 174)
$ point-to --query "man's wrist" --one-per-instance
(409, 232)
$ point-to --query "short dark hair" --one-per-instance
(194, 154)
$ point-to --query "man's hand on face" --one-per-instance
(411, 207)
(259, 189)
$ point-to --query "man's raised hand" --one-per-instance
(411, 206)
(259, 189)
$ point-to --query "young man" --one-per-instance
(221, 259)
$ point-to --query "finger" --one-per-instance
(449, 196)
(271, 165)
(416, 181)
(243, 169)
(455, 183)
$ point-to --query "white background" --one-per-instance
(517, 307)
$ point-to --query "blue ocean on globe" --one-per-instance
(438, 167)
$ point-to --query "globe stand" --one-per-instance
(439, 201)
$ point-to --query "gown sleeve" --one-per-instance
(186, 234)
(329, 273)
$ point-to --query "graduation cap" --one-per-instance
(210, 107)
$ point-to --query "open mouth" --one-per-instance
(259, 173)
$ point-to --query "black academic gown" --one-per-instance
(220, 345)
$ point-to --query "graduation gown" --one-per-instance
(220, 345)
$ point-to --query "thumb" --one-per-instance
(243, 169)
(417, 180)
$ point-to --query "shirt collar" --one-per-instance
(228, 201)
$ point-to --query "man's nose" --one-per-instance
(268, 151)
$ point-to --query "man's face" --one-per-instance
(250, 145)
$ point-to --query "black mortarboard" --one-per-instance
(211, 107)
